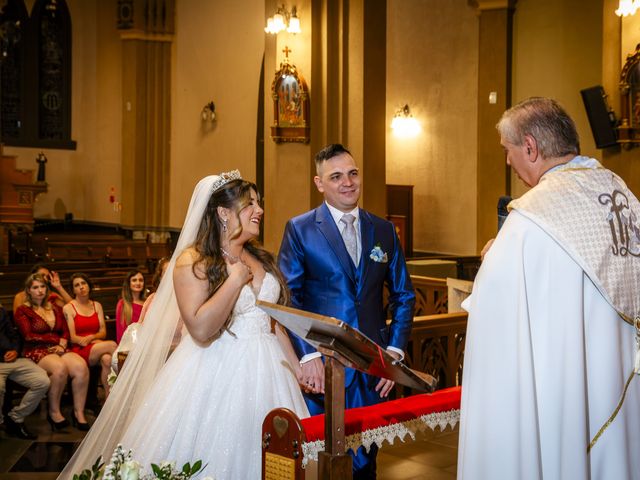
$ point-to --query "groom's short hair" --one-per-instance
(328, 152)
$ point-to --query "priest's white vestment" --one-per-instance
(546, 361)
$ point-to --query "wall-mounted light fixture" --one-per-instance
(283, 20)
(403, 123)
(627, 7)
(208, 112)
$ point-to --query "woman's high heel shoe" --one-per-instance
(57, 425)
(83, 427)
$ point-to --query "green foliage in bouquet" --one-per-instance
(93, 474)
(123, 467)
(165, 471)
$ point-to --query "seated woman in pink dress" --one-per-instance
(87, 328)
(46, 334)
(130, 305)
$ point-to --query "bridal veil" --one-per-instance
(145, 361)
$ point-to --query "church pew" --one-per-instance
(39, 241)
(131, 253)
(59, 266)
(12, 282)
(65, 251)
(6, 301)
(123, 252)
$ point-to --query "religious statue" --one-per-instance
(41, 160)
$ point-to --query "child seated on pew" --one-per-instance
(87, 328)
(57, 294)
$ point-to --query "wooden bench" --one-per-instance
(130, 253)
(66, 251)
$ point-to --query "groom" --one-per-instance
(336, 260)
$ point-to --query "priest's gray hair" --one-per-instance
(546, 121)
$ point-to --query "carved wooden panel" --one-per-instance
(436, 347)
(431, 295)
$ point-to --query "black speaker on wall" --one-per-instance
(601, 117)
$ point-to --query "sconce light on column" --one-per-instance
(627, 7)
(209, 112)
(283, 20)
(403, 123)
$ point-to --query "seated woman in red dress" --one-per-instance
(87, 328)
(130, 305)
(57, 293)
(46, 335)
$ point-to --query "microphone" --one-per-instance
(502, 210)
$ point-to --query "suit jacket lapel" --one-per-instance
(367, 235)
(329, 229)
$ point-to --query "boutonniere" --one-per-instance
(377, 255)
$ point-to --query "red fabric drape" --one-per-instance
(387, 413)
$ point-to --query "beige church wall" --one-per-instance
(557, 51)
(287, 166)
(218, 51)
(432, 65)
(79, 180)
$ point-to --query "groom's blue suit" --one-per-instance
(323, 279)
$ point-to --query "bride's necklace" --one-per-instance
(232, 257)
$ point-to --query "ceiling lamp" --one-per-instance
(627, 7)
(283, 20)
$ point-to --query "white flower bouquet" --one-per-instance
(123, 467)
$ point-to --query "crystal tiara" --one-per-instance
(225, 178)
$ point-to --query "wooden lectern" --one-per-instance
(343, 346)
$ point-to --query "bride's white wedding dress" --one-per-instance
(208, 402)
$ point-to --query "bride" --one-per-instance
(232, 365)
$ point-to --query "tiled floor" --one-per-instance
(431, 456)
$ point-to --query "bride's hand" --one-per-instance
(240, 271)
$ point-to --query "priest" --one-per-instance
(550, 386)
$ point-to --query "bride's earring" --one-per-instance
(224, 224)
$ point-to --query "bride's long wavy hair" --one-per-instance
(235, 196)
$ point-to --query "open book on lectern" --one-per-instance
(348, 345)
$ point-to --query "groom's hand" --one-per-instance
(313, 376)
(385, 385)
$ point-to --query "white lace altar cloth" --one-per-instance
(387, 421)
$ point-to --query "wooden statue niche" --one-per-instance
(629, 127)
(290, 104)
